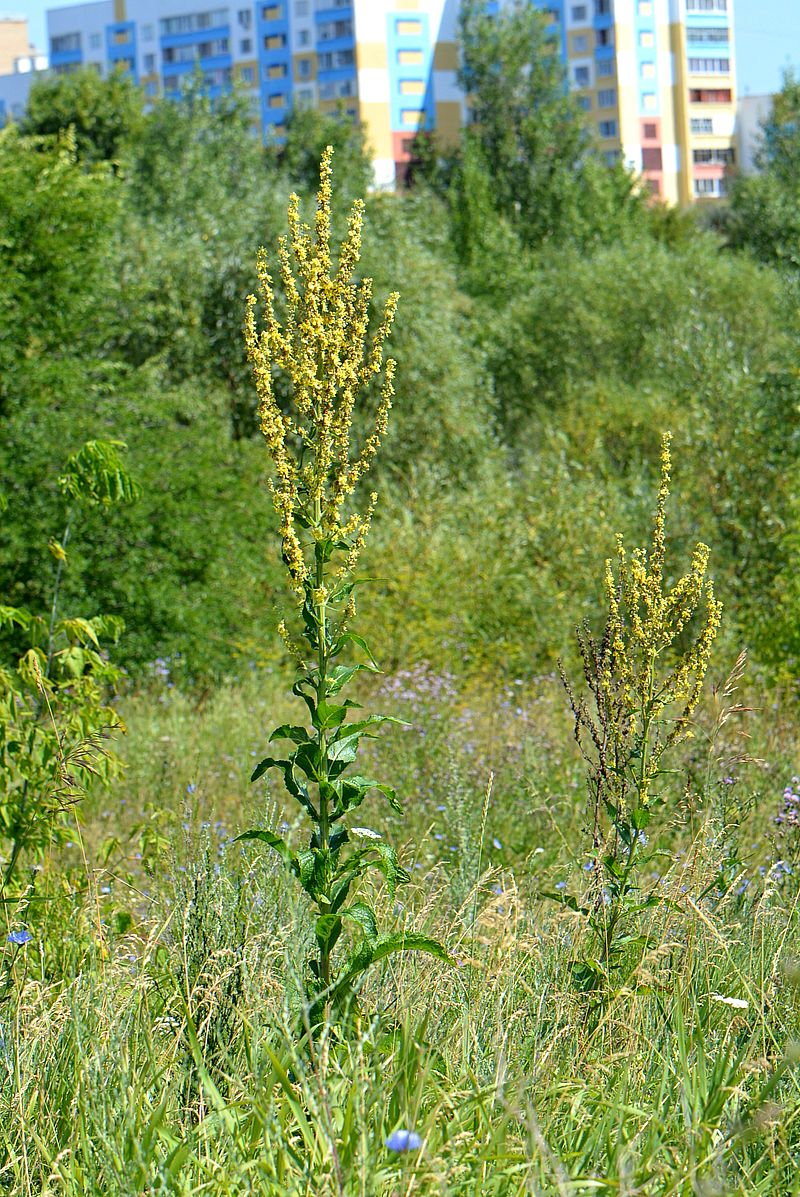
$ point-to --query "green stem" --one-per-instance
(54, 608)
(320, 614)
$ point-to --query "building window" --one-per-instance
(602, 7)
(305, 97)
(579, 14)
(333, 60)
(278, 70)
(709, 66)
(585, 102)
(149, 63)
(604, 37)
(409, 58)
(301, 8)
(147, 33)
(709, 95)
(304, 68)
(409, 28)
(647, 39)
(271, 12)
(246, 75)
(649, 101)
(245, 18)
(709, 187)
(648, 70)
(303, 37)
(331, 30)
(580, 44)
(706, 5)
(606, 97)
(274, 41)
(194, 21)
(645, 8)
(608, 128)
(277, 101)
(94, 41)
(411, 116)
(65, 43)
(583, 76)
(651, 158)
(650, 132)
(605, 67)
(121, 37)
(611, 157)
(412, 87)
(719, 33)
(702, 124)
(716, 157)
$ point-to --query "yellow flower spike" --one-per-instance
(645, 679)
(325, 350)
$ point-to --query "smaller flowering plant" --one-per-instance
(644, 678)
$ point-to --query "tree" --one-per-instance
(308, 132)
(530, 135)
(764, 214)
(105, 114)
(56, 233)
(780, 148)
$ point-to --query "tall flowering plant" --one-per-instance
(332, 363)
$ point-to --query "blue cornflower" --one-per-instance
(404, 1140)
(20, 938)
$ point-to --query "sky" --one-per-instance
(767, 36)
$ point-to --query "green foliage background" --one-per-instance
(539, 359)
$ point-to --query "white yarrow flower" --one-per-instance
(365, 833)
(737, 1003)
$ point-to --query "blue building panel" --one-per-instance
(60, 58)
(171, 41)
(399, 73)
(271, 57)
(122, 53)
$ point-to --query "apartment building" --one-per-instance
(655, 77)
(19, 61)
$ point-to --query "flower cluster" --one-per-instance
(325, 350)
(788, 817)
(645, 623)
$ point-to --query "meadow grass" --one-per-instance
(157, 1054)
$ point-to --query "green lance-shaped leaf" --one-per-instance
(372, 950)
(275, 842)
(97, 474)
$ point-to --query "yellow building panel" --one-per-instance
(680, 103)
(412, 87)
(410, 58)
(311, 71)
(119, 10)
(448, 121)
(371, 55)
(445, 56)
(377, 121)
(409, 28)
